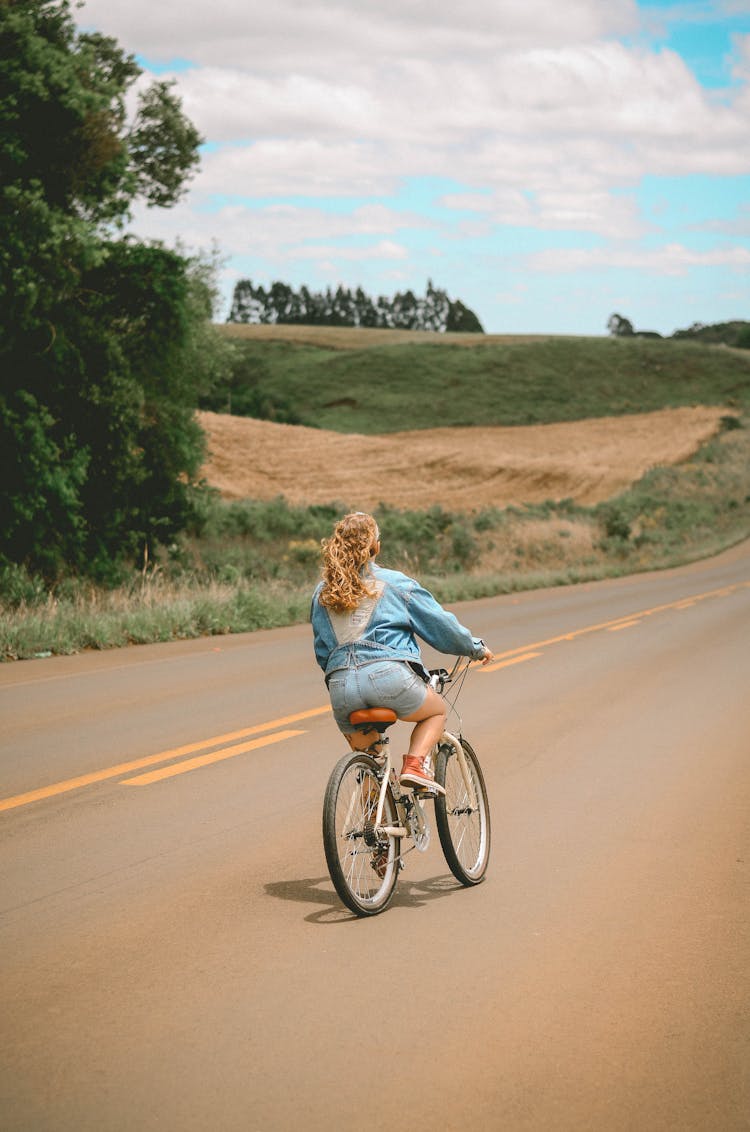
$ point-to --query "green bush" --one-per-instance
(616, 523)
(18, 587)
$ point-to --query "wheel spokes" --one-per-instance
(464, 818)
(359, 794)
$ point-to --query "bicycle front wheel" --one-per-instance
(363, 867)
(462, 814)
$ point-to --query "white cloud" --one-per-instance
(560, 208)
(673, 259)
(229, 104)
(476, 202)
(297, 167)
(282, 231)
(741, 46)
(385, 249)
(562, 92)
(337, 99)
(325, 37)
(594, 115)
(738, 225)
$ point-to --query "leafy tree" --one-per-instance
(248, 303)
(736, 333)
(384, 308)
(281, 302)
(620, 327)
(97, 440)
(343, 310)
(209, 356)
(406, 311)
(436, 309)
(365, 308)
(463, 320)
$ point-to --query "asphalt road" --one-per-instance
(173, 955)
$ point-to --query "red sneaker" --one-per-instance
(419, 772)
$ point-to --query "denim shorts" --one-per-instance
(382, 683)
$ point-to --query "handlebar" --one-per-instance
(440, 678)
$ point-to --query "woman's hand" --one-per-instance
(488, 656)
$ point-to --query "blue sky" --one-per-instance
(547, 164)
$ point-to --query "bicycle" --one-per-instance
(367, 813)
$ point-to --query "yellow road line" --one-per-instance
(511, 660)
(206, 760)
(628, 619)
(502, 660)
(622, 625)
(63, 787)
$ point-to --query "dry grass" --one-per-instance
(553, 543)
(363, 338)
(460, 469)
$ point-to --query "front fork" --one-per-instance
(449, 740)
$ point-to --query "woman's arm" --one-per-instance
(440, 628)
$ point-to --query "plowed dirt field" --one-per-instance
(460, 468)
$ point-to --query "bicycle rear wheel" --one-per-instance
(364, 870)
(462, 814)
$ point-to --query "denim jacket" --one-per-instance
(385, 627)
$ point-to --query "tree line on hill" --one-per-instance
(434, 311)
(736, 333)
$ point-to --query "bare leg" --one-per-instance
(430, 721)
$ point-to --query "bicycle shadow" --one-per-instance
(410, 894)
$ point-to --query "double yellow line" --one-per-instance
(169, 756)
(529, 652)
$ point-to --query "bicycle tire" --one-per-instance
(363, 875)
(463, 822)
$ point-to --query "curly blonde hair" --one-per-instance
(345, 555)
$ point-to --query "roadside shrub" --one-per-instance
(19, 587)
(267, 520)
(616, 523)
(489, 519)
(463, 545)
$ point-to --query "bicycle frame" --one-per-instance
(380, 751)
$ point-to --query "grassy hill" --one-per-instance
(335, 379)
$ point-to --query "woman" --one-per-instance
(365, 622)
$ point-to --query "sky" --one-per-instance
(546, 163)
